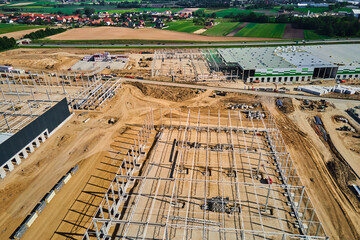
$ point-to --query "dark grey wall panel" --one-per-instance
(48, 120)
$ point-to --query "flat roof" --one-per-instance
(341, 54)
(293, 56)
(254, 58)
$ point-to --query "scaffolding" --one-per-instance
(183, 65)
(83, 91)
(224, 174)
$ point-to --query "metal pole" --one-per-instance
(21, 82)
(2, 92)
(267, 197)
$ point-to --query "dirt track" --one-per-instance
(108, 33)
(310, 155)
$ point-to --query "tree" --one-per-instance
(89, 11)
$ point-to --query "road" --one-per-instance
(205, 44)
(237, 90)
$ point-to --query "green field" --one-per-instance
(144, 9)
(220, 13)
(6, 28)
(222, 29)
(312, 35)
(262, 30)
(312, 9)
(183, 26)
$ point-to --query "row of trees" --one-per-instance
(7, 43)
(325, 25)
(44, 33)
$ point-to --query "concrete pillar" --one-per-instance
(30, 146)
(10, 165)
(2, 173)
(37, 143)
(43, 138)
(25, 154)
(17, 159)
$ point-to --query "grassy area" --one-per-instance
(312, 9)
(6, 28)
(144, 9)
(312, 35)
(344, 9)
(263, 30)
(222, 29)
(183, 26)
(235, 11)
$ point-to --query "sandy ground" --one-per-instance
(310, 155)
(56, 59)
(19, 34)
(107, 33)
(91, 145)
(200, 31)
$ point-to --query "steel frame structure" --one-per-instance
(237, 150)
(91, 93)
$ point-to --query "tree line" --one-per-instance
(324, 25)
(7, 43)
(44, 33)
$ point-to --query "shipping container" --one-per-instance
(50, 196)
(31, 219)
(67, 178)
(21, 230)
(59, 185)
(40, 207)
(74, 169)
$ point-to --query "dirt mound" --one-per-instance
(108, 33)
(176, 94)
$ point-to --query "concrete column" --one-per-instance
(31, 148)
(17, 159)
(42, 137)
(25, 154)
(2, 173)
(10, 165)
(37, 143)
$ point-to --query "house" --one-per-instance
(159, 24)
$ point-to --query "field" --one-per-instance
(267, 30)
(222, 29)
(143, 9)
(220, 13)
(312, 9)
(112, 33)
(312, 35)
(183, 26)
(7, 28)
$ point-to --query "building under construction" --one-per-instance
(209, 175)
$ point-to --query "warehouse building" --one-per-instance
(17, 145)
(294, 63)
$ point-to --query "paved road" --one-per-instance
(237, 90)
(205, 44)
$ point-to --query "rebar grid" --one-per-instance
(194, 159)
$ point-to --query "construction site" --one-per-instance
(157, 161)
(209, 175)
